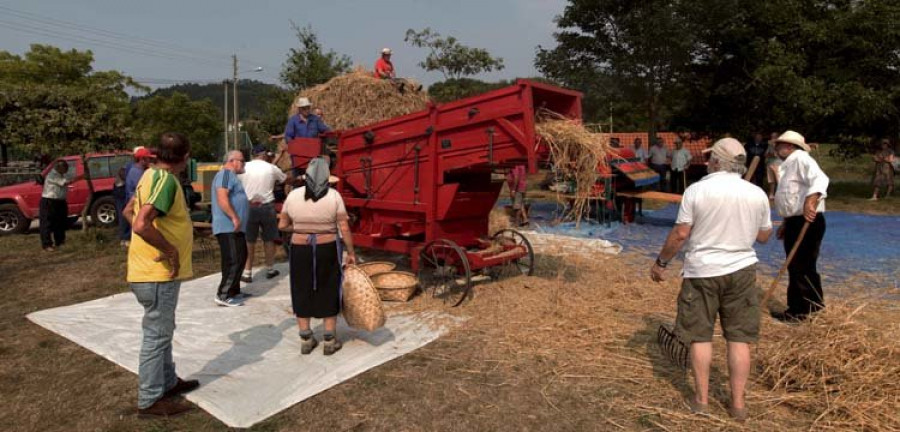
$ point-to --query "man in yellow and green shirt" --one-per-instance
(159, 258)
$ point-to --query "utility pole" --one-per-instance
(234, 91)
(225, 110)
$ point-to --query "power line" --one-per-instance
(70, 31)
(26, 28)
(120, 38)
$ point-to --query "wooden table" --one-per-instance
(637, 197)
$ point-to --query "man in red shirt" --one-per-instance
(516, 181)
(384, 69)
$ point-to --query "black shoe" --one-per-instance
(272, 273)
(788, 317)
(246, 279)
(181, 387)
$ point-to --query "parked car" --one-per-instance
(19, 203)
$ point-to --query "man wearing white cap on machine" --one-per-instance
(384, 69)
(800, 199)
(304, 124)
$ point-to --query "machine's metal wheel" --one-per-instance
(444, 272)
(516, 267)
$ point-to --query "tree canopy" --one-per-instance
(827, 68)
(197, 119)
(309, 64)
(52, 101)
(451, 58)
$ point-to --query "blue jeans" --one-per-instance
(156, 370)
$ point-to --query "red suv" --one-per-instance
(19, 203)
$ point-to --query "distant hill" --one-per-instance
(251, 95)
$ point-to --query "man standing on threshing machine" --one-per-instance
(259, 179)
(305, 124)
(159, 258)
(800, 200)
(720, 218)
(230, 212)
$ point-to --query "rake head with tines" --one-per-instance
(673, 347)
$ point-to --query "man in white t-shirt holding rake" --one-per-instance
(720, 218)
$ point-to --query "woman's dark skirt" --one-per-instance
(324, 301)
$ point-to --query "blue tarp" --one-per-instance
(853, 242)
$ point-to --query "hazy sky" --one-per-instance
(192, 40)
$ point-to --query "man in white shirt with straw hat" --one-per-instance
(800, 199)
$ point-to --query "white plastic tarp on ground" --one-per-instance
(247, 358)
(563, 245)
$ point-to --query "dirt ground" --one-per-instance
(569, 349)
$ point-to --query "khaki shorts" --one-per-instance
(734, 297)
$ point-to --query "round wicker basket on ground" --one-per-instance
(362, 305)
(395, 285)
(375, 267)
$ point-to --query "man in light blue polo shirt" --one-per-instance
(230, 211)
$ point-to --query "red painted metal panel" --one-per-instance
(427, 175)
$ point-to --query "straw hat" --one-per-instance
(791, 137)
(302, 102)
(386, 51)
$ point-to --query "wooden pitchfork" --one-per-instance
(670, 344)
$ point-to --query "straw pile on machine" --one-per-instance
(576, 154)
(358, 99)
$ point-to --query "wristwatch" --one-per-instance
(661, 263)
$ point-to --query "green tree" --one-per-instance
(629, 54)
(198, 120)
(829, 69)
(51, 101)
(309, 64)
(457, 88)
(449, 57)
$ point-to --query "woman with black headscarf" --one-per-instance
(314, 213)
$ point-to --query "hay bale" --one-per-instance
(358, 99)
(841, 366)
(498, 219)
(576, 155)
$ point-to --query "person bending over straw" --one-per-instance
(720, 218)
(314, 213)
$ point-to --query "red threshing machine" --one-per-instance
(421, 184)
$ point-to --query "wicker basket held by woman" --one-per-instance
(362, 306)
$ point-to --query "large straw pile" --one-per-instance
(576, 153)
(838, 367)
(358, 99)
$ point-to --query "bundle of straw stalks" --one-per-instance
(358, 99)
(576, 154)
(843, 366)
